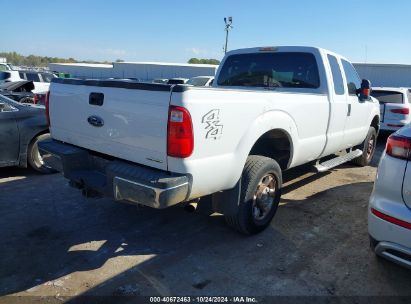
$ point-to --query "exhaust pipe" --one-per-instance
(191, 207)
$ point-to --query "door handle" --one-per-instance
(349, 110)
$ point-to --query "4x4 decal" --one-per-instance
(213, 127)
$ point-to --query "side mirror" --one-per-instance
(365, 91)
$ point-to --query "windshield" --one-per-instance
(198, 81)
(10, 101)
(289, 70)
(388, 96)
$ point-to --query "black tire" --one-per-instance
(368, 149)
(27, 100)
(34, 158)
(252, 181)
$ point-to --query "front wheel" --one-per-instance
(368, 149)
(261, 183)
(34, 158)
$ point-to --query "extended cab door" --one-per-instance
(338, 117)
(358, 112)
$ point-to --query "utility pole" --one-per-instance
(228, 26)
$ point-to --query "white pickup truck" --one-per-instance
(269, 109)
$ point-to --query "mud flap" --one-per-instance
(226, 202)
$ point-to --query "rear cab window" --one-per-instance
(388, 96)
(33, 77)
(282, 69)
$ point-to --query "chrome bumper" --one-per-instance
(118, 179)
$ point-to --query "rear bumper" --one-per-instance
(393, 125)
(118, 179)
(390, 241)
(398, 254)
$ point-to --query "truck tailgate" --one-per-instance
(118, 118)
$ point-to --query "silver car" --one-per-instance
(389, 214)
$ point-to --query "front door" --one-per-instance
(9, 134)
(358, 112)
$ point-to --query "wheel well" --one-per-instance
(274, 144)
(31, 142)
(37, 135)
(376, 123)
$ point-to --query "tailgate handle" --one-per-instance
(96, 99)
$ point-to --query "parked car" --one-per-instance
(394, 107)
(270, 109)
(22, 91)
(9, 76)
(41, 80)
(5, 66)
(201, 81)
(160, 80)
(22, 126)
(177, 81)
(389, 216)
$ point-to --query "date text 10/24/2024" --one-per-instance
(201, 299)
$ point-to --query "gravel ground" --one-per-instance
(55, 243)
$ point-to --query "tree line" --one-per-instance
(203, 61)
(39, 61)
(43, 61)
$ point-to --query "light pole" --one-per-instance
(228, 26)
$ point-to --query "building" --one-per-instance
(143, 71)
(385, 75)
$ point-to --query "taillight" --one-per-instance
(398, 147)
(47, 105)
(180, 137)
(35, 99)
(391, 219)
(401, 111)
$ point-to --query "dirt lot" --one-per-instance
(56, 243)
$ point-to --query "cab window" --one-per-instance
(33, 77)
(337, 76)
(288, 70)
(353, 80)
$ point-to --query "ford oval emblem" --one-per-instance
(95, 121)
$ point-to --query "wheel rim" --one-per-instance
(264, 197)
(370, 147)
(38, 159)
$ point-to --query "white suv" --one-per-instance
(41, 80)
(394, 107)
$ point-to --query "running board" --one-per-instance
(327, 165)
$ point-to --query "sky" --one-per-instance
(177, 30)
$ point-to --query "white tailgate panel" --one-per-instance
(135, 122)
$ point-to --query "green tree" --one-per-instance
(203, 61)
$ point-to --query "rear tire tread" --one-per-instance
(251, 170)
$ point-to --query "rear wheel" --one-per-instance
(34, 158)
(368, 149)
(261, 182)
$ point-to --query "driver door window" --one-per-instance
(358, 112)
